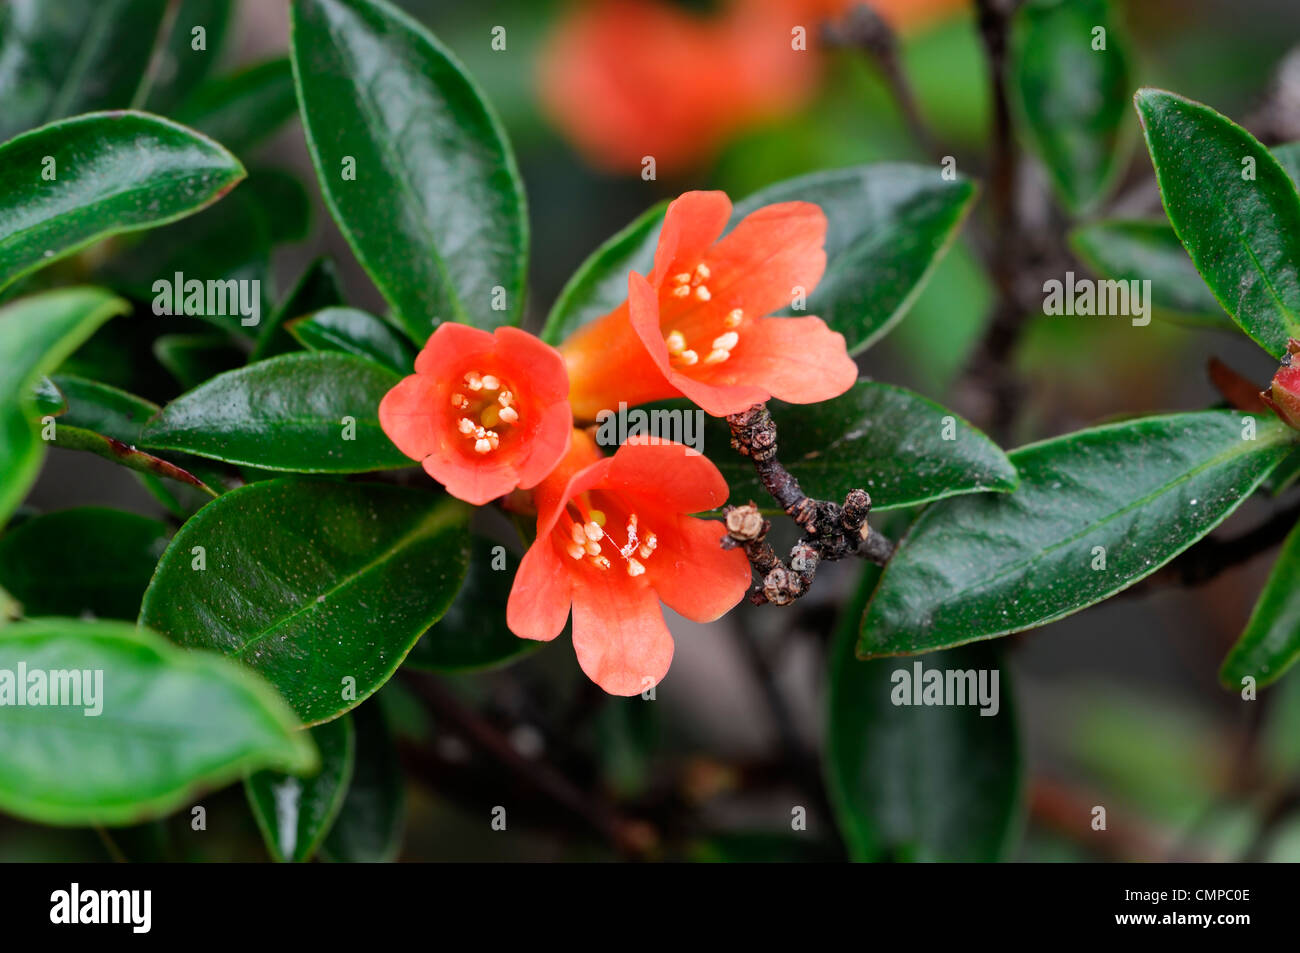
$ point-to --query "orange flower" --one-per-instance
(626, 79)
(484, 413)
(697, 325)
(614, 538)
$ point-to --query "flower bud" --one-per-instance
(1284, 394)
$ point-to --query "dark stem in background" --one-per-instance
(632, 838)
(863, 29)
(832, 531)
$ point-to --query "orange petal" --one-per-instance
(448, 347)
(701, 580)
(776, 250)
(619, 634)
(541, 594)
(693, 222)
(674, 477)
(475, 481)
(798, 360)
(407, 414)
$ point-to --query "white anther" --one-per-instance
(681, 291)
(634, 568)
(676, 342)
(702, 293)
(734, 318)
(725, 342)
(474, 381)
(490, 382)
(717, 356)
(593, 532)
(576, 551)
(465, 426)
(481, 445)
(688, 357)
(508, 415)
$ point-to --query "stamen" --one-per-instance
(482, 446)
(702, 272)
(681, 291)
(465, 426)
(702, 293)
(676, 342)
(459, 401)
(578, 535)
(684, 278)
(735, 318)
(505, 398)
(725, 342)
(600, 562)
(652, 541)
(576, 551)
(508, 415)
(494, 439)
(593, 532)
(634, 568)
(645, 551)
(717, 356)
(474, 381)
(688, 357)
(490, 382)
(592, 548)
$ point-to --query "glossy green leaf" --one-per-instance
(1242, 233)
(36, 334)
(113, 173)
(88, 559)
(434, 208)
(1072, 96)
(472, 634)
(61, 58)
(304, 413)
(368, 829)
(284, 201)
(170, 724)
(193, 358)
(47, 399)
(293, 813)
(183, 67)
(1271, 642)
(1149, 251)
(1288, 157)
(199, 259)
(355, 332)
(318, 287)
(1095, 511)
(600, 283)
(920, 782)
(896, 445)
(888, 225)
(321, 587)
(243, 109)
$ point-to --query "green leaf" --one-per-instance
(472, 634)
(193, 358)
(318, 287)
(73, 56)
(114, 173)
(36, 334)
(182, 67)
(436, 210)
(1243, 235)
(312, 584)
(89, 559)
(173, 723)
(294, 814)
(920, 782)
(600, 283)
(355, 332)
(228, 243)
(1072, 97)
(1271, 642)
(1149, 251)
(47, 399)
(243, 109)
(1288, 156)
(1134, 494)
(883, 439)
(369, 827)
(303, 413)
(283, 200)
(888, 225)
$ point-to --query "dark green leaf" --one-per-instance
(191, 52)
(216, 267)
(355, 332)
(1288, 156)
(1072, 96)
(88, 559)
(47, 399)
(193, 358)
(435, 211)
(321, 587)
(920, 782)
(171, 723)
(896, 445)
(317, 288)
(472, 634)
(1141, 251)
(61, 58)
(305, 413)
(283, 200)
(241, 110)
(369, 827)
(600, 283)
(889, 223)
(36, 334)
(1095, 512)
(1243, 234)
(113, 173)
(1271, 642)
(294, 814)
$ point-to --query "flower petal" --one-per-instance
(540, 597)
(475, 481)
(530, 358)
(444, 354)
(674, 477)
(692, 223)
(620, 636)
(798, 360)
(701, 580)
(547, 444)
(406, 415)
(773, 251)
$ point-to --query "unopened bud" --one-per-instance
(1284, 394)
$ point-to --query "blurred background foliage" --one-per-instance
(1120, 705)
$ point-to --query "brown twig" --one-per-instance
(832, 530)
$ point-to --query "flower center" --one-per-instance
(702, 335)
(584, 533)
(485, 405)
